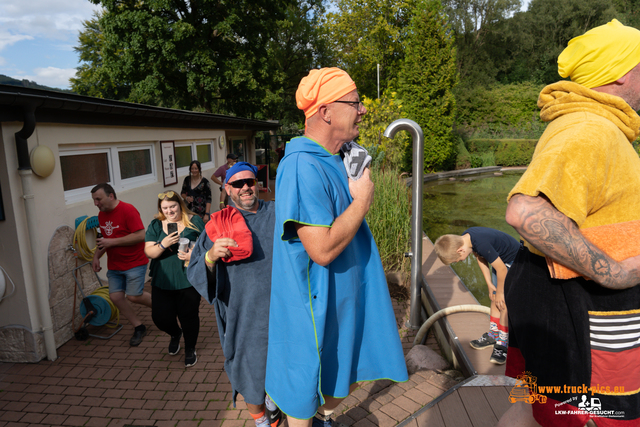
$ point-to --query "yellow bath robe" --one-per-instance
(574, 332)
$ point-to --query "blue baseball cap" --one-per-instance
(239, 167)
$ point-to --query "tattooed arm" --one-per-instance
(558, 237)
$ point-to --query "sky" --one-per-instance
(37, 38)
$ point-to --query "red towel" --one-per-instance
(619, 241)
(229, 222)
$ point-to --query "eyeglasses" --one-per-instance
(168, 194)
(239, 183)
(356, 104)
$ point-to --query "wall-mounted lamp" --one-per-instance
(42, 161)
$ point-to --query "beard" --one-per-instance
(247, 204)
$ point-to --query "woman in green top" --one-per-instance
(173, 298)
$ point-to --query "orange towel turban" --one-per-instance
(322, 86)
(601, 55)
(229, 222)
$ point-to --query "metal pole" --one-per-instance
(378, 81)
(416, 211)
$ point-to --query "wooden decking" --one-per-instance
(482, 399)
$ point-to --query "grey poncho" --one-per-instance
(240, 292)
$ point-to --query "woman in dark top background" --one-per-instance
(196, 191)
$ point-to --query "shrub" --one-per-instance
(390, 218)
(505, 152)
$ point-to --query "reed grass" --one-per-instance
(389, 219)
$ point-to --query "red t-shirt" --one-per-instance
(122, 221)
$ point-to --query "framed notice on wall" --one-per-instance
(169, 169)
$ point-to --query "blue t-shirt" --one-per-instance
(491, 244)
(330, 326)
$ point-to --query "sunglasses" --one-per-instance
(241, 182)
(168, 194)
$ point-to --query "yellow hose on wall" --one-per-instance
(80, 242)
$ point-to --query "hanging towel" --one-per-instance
(229, 222)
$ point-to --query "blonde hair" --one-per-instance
(447, 246)
(185, 212)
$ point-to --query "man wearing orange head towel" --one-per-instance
(331, 322)
(580, 337)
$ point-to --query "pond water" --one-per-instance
(450, 207)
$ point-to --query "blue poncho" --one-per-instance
(332, 326)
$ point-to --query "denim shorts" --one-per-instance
(131, 281)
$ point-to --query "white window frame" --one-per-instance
(118, 184)
(184, 171)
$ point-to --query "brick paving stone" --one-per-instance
(395, 411)
(233, 423)
(370, 405)
(154, 394)
(143, 414)
(97, 422)
(76, 421)
(133, 394)
(345, 419)
(196, 395)
(119, 413)
(146, 385)
(207, 415)
(210, 423)
(154, 404)
(418, 396)
(361, 394)
(32, 397)
(218, 405)
(162, 415)
(54, 419)
(407, 404)
(77, 410)
(72, 400)
(185, 423)
(126, 385)
(75, 391)
(11, 415)
(381, 419)
(113, 393)
(56, 409)
(184, 415)
(185, 387)
(166, 386)
(429, 389)
(113, 402)
(99, 412)
(365, 423)
(196, 406)
(383, 398)
(216, 395)
(356, 414)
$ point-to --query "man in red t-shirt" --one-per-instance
(123, 241)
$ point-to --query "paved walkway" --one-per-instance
(107, 383)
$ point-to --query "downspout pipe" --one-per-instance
(41, 287)
(416, 212)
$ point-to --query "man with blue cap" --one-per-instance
(574, 310)
(240, 287)
(331, 322)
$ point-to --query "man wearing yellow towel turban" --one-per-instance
(331, 322)
(580, 337)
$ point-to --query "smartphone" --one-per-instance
(172, 227)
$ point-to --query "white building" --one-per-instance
(140, 150)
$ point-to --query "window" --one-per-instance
(187, 151)
(237, 146)
(122, 167)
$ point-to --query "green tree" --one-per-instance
(233, 58)
(427, 79)
(380, 114)
(91, 77)
(545, 30)
(479, 33)
(384, 22)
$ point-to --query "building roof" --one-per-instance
(58, 107)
